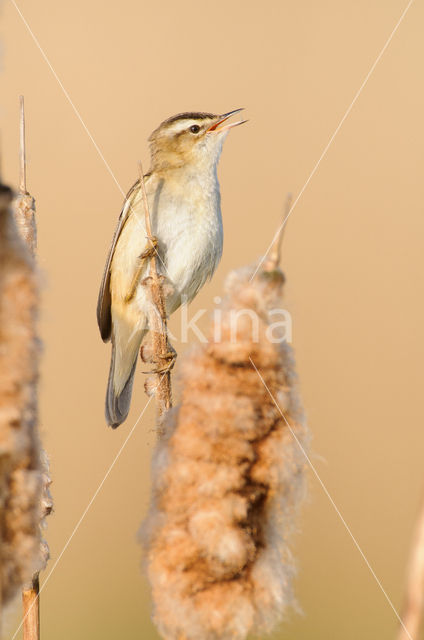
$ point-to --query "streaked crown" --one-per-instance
(187, 138)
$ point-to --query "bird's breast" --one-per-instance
(187, 220)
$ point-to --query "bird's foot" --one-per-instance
(151, 250)
(169, 357)
(148, 253)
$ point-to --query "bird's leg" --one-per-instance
(169, 357)
(148, 253)
(158, 350)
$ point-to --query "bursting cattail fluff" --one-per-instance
(24, 215)
(20, 474)
(24, 212)
(228, 476)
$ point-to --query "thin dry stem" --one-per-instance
(22, 149)
(24, 213)
(274, 257)
(5, 201)
(24, 205)
(157, 320)
(31, 610)
(146, 208)
(414, 593)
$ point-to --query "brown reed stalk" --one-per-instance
(159, 349)
(412, 613)
(24, 214)
(19, 449)
(24, 205)
(31, 609)
(6, 196)
(228, 476)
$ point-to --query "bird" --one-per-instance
(183, 196)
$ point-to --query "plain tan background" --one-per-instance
(352, 257)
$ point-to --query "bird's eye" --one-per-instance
(195, 128)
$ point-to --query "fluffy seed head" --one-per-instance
(228, 477)
(20, 473)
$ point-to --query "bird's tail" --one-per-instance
(121, 378)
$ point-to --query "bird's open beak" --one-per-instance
(223, 118)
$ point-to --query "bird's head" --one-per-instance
(190, 139)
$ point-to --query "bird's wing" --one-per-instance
(104, 318)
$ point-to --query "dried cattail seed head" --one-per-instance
(20, 473)
(227, 478)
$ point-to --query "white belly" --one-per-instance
(190, 237)
(186, 219)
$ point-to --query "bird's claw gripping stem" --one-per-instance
(171, 356)
(148, 253)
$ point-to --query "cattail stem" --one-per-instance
(24, 208)
(2, 503)
(158, 318)
(274, 257)
(25, 218)
(22, 150)
(26, 221)
(31, 610)
(5, 199)
(414, 596)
